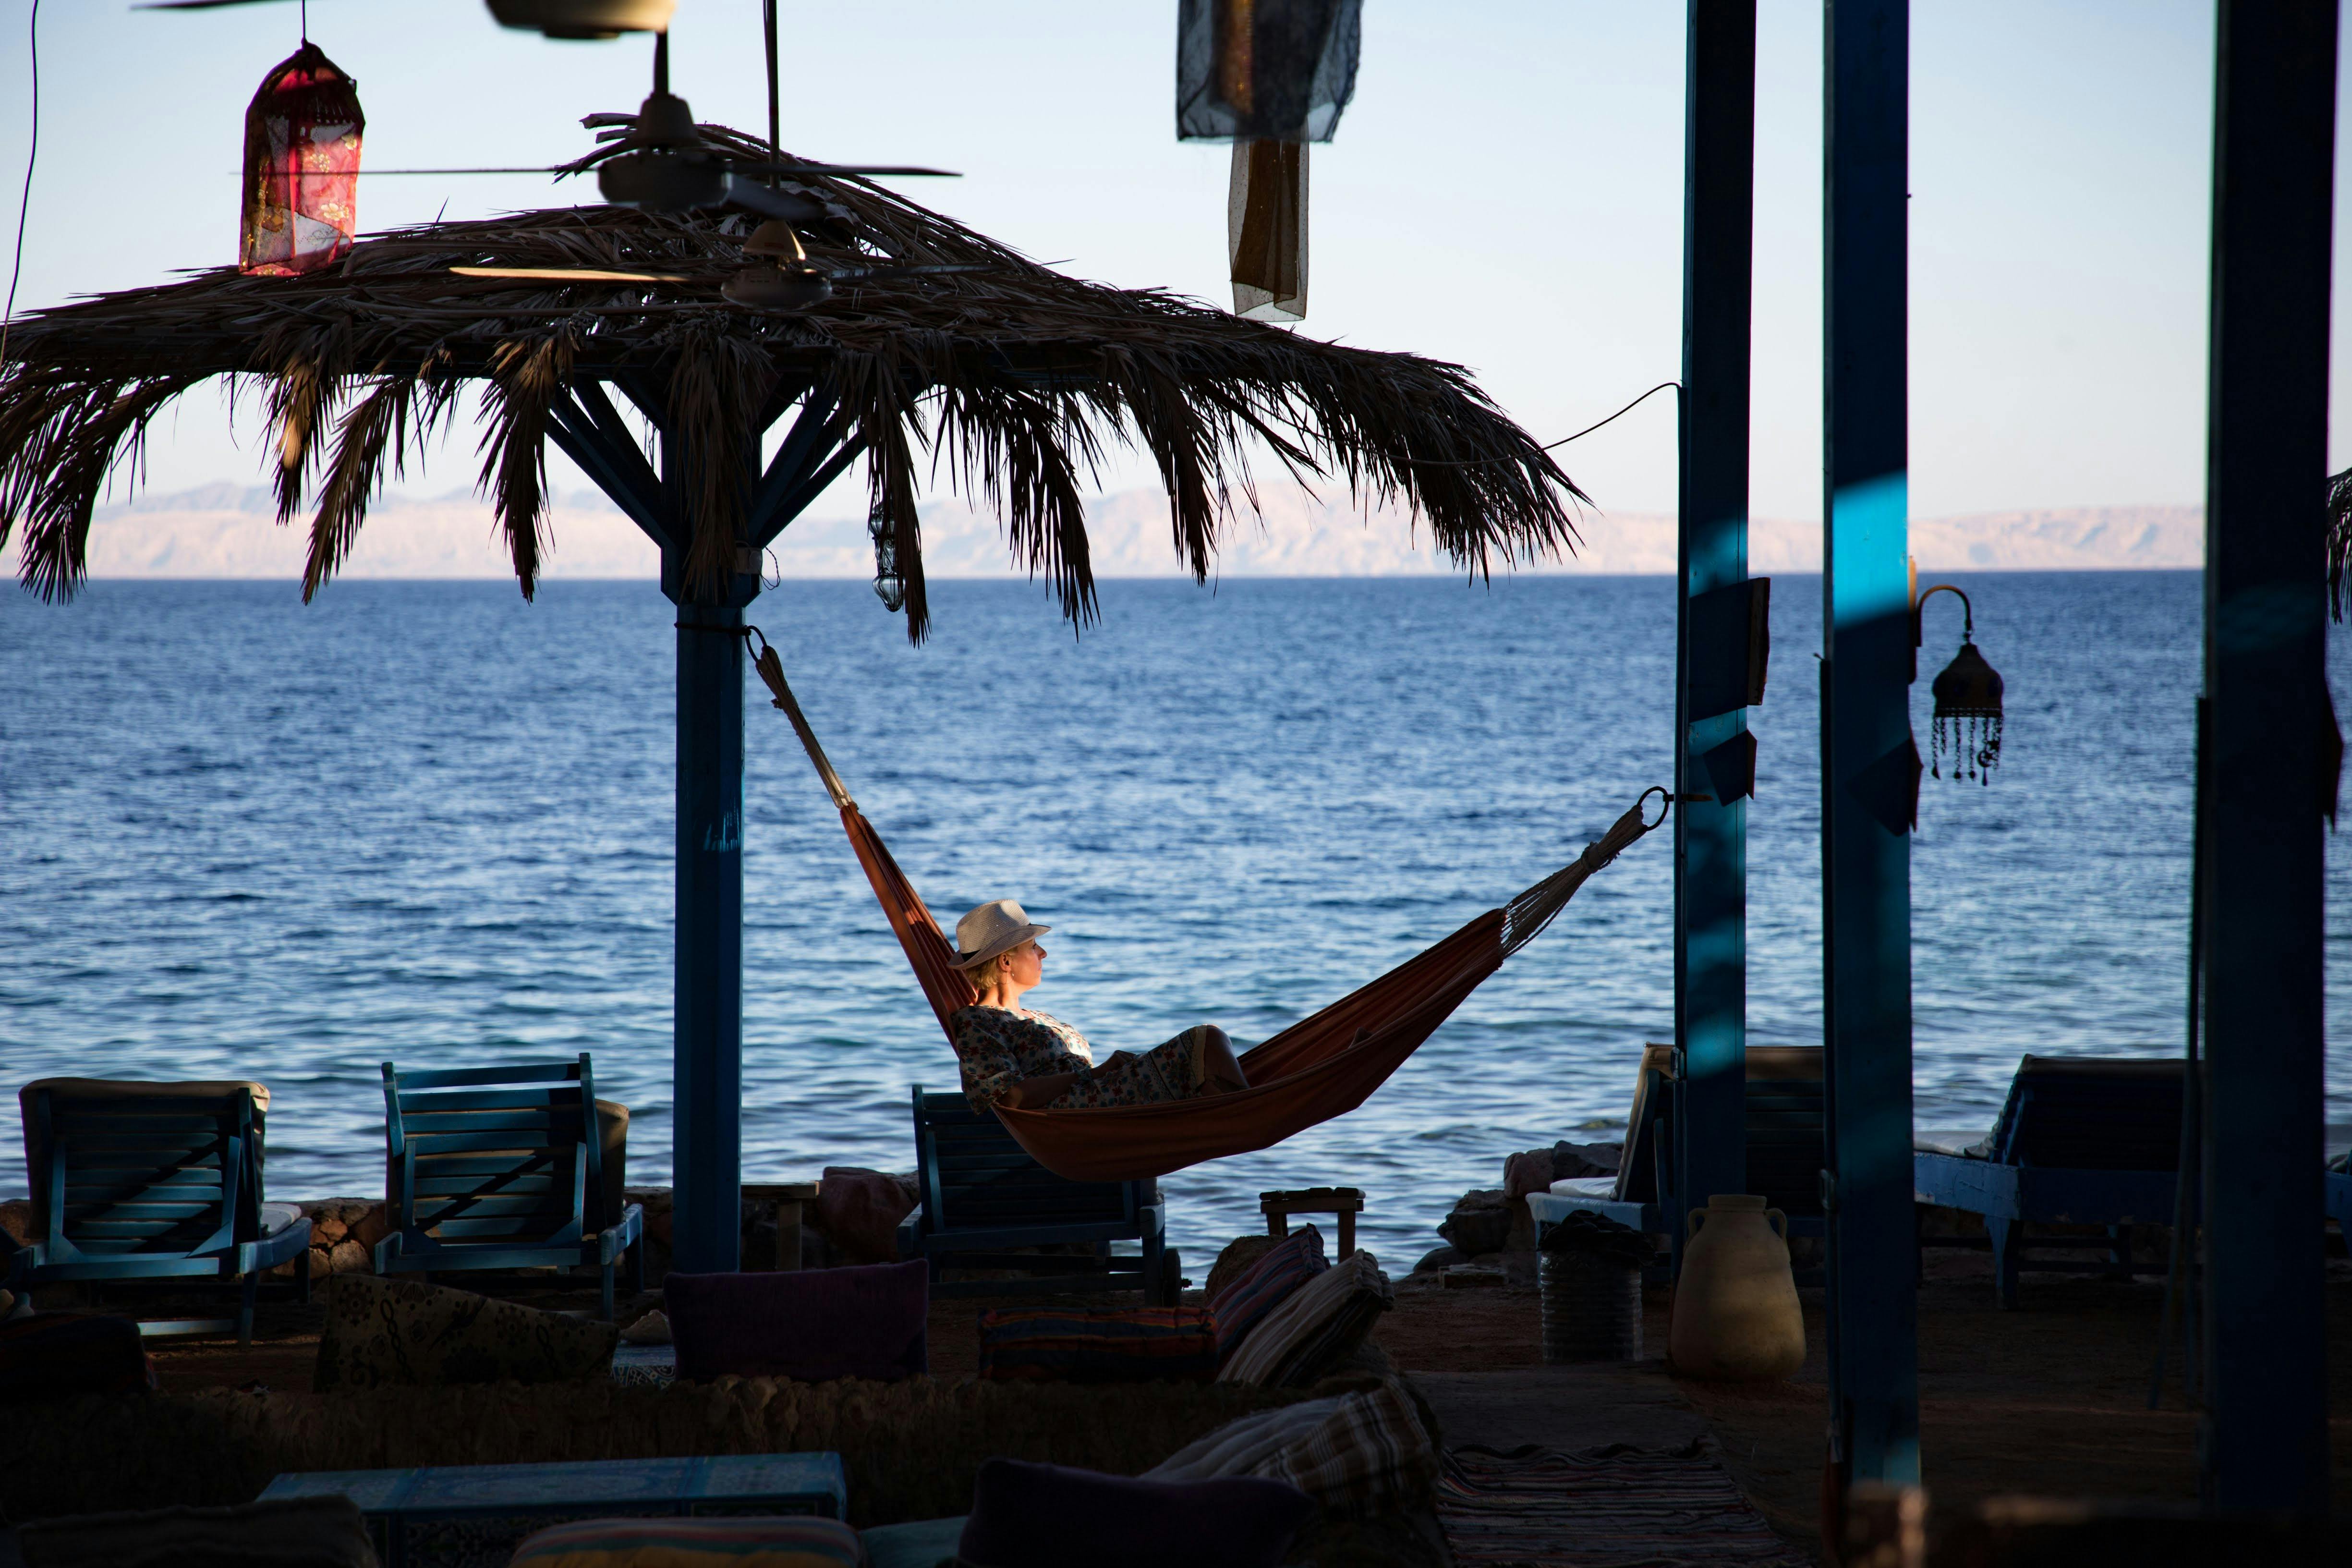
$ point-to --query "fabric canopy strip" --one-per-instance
(1324, 1065)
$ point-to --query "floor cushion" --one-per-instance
(811, 1324)
(290, 1532)
(1047, 1516)
(55, 1355)
(388, 1333)
(1314, 1329)
(1356, 1454)
(753, 1540)
(1264, 1284)
(1066, 1345)
(921, 1543)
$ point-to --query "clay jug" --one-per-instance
(1736, 1313)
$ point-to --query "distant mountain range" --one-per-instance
(228, 530)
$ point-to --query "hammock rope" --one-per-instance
(1321, 1066)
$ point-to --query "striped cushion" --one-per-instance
(1266, 1285)
(766, 1540)
(1357, 1454)
(1315, 1330)
(1050, 1344)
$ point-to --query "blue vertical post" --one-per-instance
(1710, 836)
(1870, 767)
(2263, 1441)
(707, 974)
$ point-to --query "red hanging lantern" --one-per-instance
(301, 166)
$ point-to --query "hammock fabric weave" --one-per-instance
(1321, 1066)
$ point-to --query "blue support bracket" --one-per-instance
(1716, 675)
(2263, 1441)
(1870, 767)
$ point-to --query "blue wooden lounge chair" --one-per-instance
(502, 1167)
(980, 1194)
(1785, 1150)
(2079, 1142)
(2339, 1202)
(153, 1181)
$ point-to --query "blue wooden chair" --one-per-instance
(2079, 1142)
(980, 1194)
(2339, 1202)
(1785, 1150)
(503, 1167)
(153, 1181)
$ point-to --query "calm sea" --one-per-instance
(431, 824)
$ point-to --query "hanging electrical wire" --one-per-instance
(25, 201)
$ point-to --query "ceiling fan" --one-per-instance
(596, 19)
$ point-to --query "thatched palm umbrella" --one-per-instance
(1012, 378)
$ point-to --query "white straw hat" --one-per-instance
(997, 926)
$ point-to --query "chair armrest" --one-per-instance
(1153, 1219)
(910, 1235)
(621, 1234)
(385, 1251)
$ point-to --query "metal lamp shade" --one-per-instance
(1968, 716)
(584, 18)
(302, 136)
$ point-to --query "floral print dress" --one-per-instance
(999, 1047)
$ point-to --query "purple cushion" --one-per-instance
(811, 1324)
(1045, 1516)
(1266, 1285)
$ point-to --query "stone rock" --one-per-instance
(370, 1225)
(348, 1257)
(859, 1210)
(16, 1219)
(1480, 1222)
(327, 1226)
(1438, 1259)
(1571, 1160)
(1528, 1173)
(1233, 1261)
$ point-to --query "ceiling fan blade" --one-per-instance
(781, 204)
(926, 271)
(571, 275)
(862, 169)
(195, 5)
(534, 169)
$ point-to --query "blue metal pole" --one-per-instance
(1870, 768)
(707, 974)
(1710, 836)
(2263, 1441)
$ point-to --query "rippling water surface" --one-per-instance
(431, 824)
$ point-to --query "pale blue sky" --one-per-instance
(1505, 191)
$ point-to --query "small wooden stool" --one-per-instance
(1345, 1202)
(788, 1197)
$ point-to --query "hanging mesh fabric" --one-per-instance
(302, 136)
(1266, 231)
(1277, 71)
(1321, 1066)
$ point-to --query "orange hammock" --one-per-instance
(1320, 1068)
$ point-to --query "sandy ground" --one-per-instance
(2049, 1399)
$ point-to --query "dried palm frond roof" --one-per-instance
(1013, 378)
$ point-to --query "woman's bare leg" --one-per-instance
(1224, 1069)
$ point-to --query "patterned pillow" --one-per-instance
(1315, 1330)
(1060, 1344)
(1266, 1285)
(384, 1334)
(1356, 1454)
(760, 1540)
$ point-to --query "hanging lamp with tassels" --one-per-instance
(301, 166)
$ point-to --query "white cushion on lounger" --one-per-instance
(275, 1217)
(1586, 1187)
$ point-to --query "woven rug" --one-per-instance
(1616, 1507)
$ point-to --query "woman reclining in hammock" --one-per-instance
(1024, 1059)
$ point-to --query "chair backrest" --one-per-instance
(1637, 1169)
(973, 1176)
(500, 1155)
(2086, 1114)
(153, 1169)
(1787, 1138)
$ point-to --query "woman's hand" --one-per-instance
(1033, 1092)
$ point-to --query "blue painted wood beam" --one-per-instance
(616, 466)
(1711, 836)
(1870, 767)
(2264, 1438)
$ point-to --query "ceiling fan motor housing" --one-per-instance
(661, 182)
(584, 18)
(765, 288)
